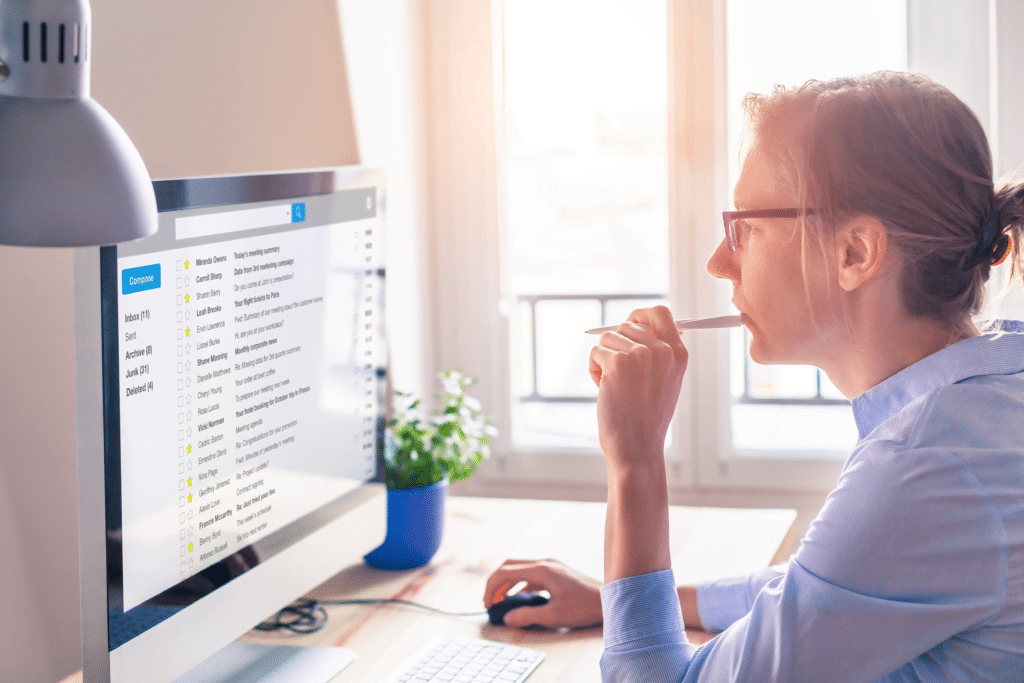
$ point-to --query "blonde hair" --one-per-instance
(905, 150)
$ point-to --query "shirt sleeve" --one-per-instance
(906, 553)
(723, 601)
(644, 638)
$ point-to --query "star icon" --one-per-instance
(188, 349)
(191, 563)
(189, 466)
(190, 481)
(190, 497)
(188, 399)
(188, 331)
(189, 449)
(186, 264)
(188, 432)
(188, 416)
(190, 514)
(190, 547)
(188, 366)
(191, 529)
(188, 382)
(186, 298)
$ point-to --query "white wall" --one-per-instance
(384, 47)
(39, 506)
(203, 88)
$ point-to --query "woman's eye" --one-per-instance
(743, 228)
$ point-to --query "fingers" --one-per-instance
(543, 615)
(659, 321)
(627, 337)
(512, 572)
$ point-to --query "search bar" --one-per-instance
(212, 224)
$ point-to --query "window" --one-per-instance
(585, 212)
(546, 168)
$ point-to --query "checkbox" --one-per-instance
(181, 435)
(178, 283)
(181, 451)
(181, 333)
(181, 418)
(181, 384)
(179, 300)
(181, 501)
(181, 368)
(181, 349)
(183, 551)
(181, 484)
(181, 401)
(182, 535)
(181, 518)
(182, 567)
(181, 468)
(178, 265)
(180, 316)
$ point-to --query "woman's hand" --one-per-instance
(575, 598)
(638, 369)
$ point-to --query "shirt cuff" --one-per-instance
(639, 607)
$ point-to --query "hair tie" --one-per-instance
(1002, 249)
(987, 242)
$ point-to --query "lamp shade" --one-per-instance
(69, 174)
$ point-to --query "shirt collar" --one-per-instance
(1000, 352)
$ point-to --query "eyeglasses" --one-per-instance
(733, 218)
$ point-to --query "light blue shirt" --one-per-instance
(913, 569)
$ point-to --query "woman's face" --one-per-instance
(767, 275)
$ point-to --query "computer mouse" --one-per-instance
(496, 612)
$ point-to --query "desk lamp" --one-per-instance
(69, 174)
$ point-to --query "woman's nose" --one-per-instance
(722, 264)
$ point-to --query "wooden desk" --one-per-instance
(480, 534)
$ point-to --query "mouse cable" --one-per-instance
(308, 615)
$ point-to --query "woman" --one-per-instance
(868, 226)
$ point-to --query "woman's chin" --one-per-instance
(762, 354)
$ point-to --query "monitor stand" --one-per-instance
(252, 663)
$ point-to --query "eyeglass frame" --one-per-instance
(728, 218)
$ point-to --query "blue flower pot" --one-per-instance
(415, 526)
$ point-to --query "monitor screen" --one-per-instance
(242, 393)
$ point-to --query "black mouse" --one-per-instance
(496, 612)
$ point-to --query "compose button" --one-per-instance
(140, 279)
(299, 212)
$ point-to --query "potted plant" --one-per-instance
(422, 455)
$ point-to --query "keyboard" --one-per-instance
(456, 659)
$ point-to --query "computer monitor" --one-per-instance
(230, 413)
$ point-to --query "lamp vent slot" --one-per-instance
(70, 42)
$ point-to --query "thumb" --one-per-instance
(520, 617)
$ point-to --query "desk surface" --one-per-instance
(480, 534)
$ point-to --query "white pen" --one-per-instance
(689, 324)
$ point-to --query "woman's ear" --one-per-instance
(860, 248)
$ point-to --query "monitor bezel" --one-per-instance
(357, 527)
